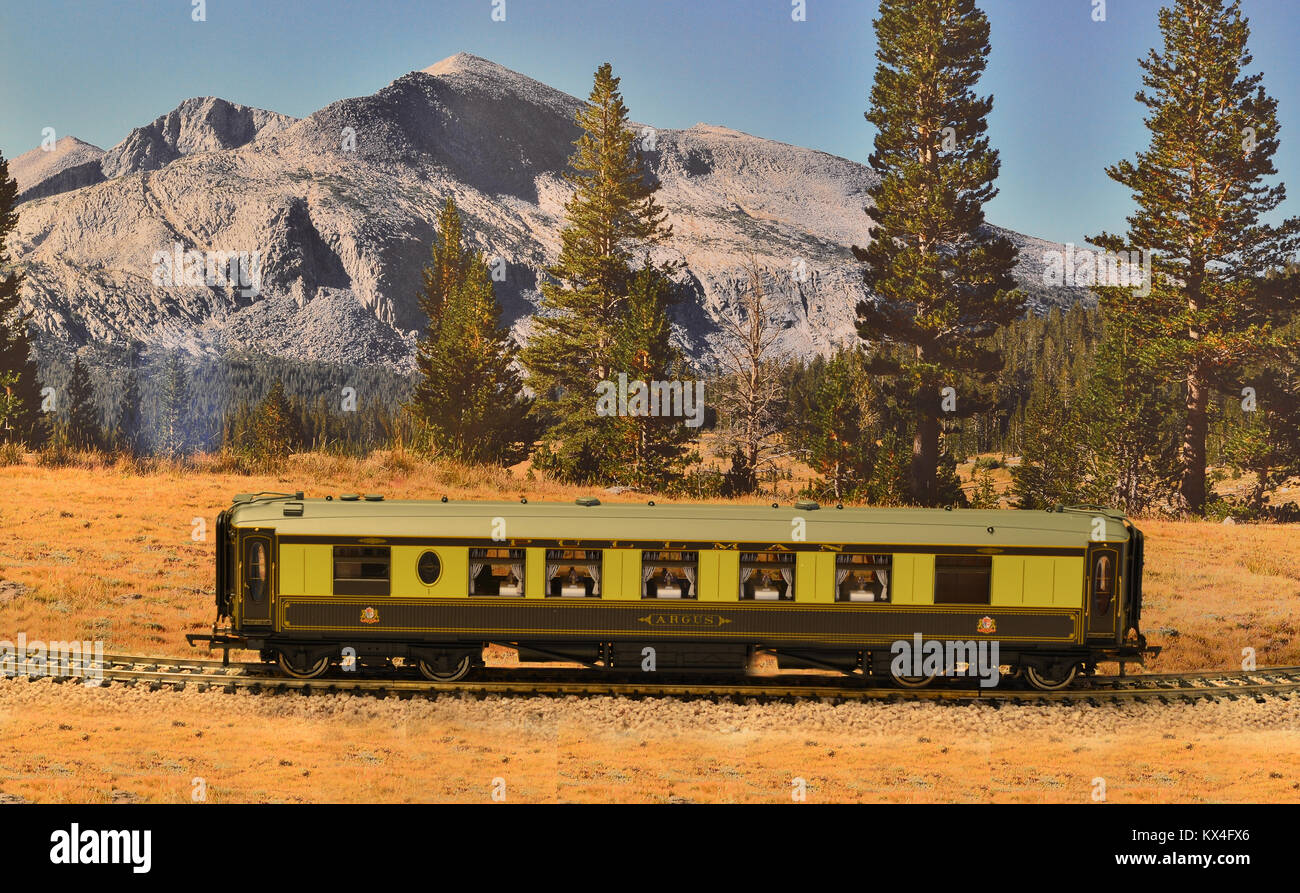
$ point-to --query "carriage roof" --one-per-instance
(676, 522)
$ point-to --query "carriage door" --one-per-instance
(256, 576)
(1103, 591)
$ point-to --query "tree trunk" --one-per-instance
(925, 459)
(1191, 487)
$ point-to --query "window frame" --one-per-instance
(751, 562)
(985, 567)
(846, 560)
(656, 562)
(598, 579)
(1103, 597)
(364, 585)
(420, 560)
(257, 595)
(513, 558)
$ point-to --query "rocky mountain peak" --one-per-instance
(200, 124)
(70, 164)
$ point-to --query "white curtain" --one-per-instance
(883, 577)
(474, 570)
(841, 574)
(689, 572)
(787, 574)
(594, 569)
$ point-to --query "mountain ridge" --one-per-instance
(340, 206)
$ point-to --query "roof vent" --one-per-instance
(806, 505)
(374, 497)
(587, 500)
(349, 497)
(293, 509)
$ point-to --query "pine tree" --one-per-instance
(612, 217)
(84, 430)
(274, 430)
(984, 493)
(1200, 195)
(1057, 465)
(941, 277)
(127, 429)
(172, 438)
(841, 428)
(1129, 418)
(1266, 443)
(450, 263)
(10, 407)
(655, 447)
(891, 470)
(20, 396)
(468, 400)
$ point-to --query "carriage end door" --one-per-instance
(256, 575)
(1103, 591)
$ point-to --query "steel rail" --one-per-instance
(160, 672)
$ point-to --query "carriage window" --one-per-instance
(496, 571)
(361, 570)
(428, 568)
(669, 574)
(255, 569)
(767, 576)
(573, 573)
(862, 578)
(1105, 564)
(962, 579)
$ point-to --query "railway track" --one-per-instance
(209, 674)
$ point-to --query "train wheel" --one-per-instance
(1052, 680)
(911, 681)
(309, 672)
(458, 672)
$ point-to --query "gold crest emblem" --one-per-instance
(987, 625)
(369, 615)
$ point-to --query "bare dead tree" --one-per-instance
(751, 392)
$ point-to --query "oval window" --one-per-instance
(429, 568)
(255, 569)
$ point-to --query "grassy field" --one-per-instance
(109, 552)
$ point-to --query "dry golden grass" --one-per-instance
(104, 550)
(1212, 590)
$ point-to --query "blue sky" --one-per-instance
(1063, 84)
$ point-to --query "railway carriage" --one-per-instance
(702, 588)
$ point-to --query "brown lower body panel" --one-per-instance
(510, 619)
